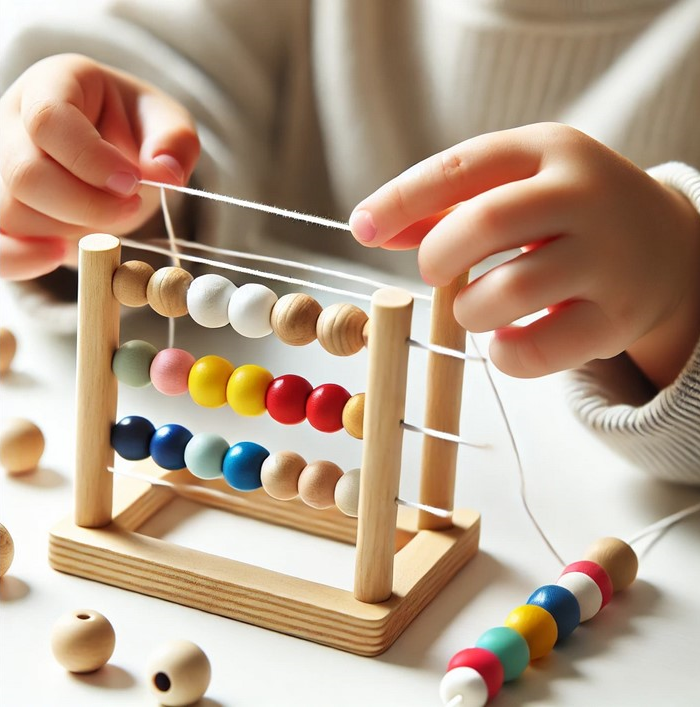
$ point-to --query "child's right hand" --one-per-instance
(76, 138)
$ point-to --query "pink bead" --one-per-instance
(169, 371)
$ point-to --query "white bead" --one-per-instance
(586, 591)
(347, 492)
(207, 300)
(249, 310)
(466, 683)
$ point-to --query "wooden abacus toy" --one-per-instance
(404, 557)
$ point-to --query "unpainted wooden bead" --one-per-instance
(339, 329)
(317, 483)
(8, 349)
(179, 673)
(354, 415)
(21, 446)
(207, 300)
(280, 475)
(617, 558)
(167, 291)
(7, 550)
(365, 333)
(82, 641)
(294, 318)
(130, 283)
(347, 492)
(250, 309)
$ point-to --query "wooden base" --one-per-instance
(119, 555)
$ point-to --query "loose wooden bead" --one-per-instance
(207, 300)
(286, 398)
(168, 446)
(131, 437)
(561, 604)
(250, 308)
(179, 673)
(510, 648)
(131, 363)
(465, 683)
(617, 558)
(170, 371)
(537, 626)
(7, 550)
(354, 415)
(82, 641)
(130, 283)
(246, 389)
(167, 291)
(208, 379)
(365, 333)
(339, 329)
(597, 574)
(8, 349)
(485, 663)
(204, 455)
(324, 407)
(347, 493)
(317, 484)
(294, 317)
(243, 464)
(279, 475)
(586, 591)
(21, 446)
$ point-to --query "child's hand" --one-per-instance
(76, 138)
(613, 255)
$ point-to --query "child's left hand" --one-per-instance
(613, 255)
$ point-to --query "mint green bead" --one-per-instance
(204, 455)
(131, 363)
(509, 647)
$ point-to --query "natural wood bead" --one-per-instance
(347, 492)
(354, 415)
(82, 641)
(294, 318)
(21, 446)
(317, 483)
(365, 333)
(167, 291)
(8, 349)
(617, 558)
(280, 475)
(179, 673)
(130, 283)
(339, 329)
(7, 550)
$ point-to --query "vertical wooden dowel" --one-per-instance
(98, 338)
(390, 328)
(442, 407)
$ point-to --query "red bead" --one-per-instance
(324, 407)
(485, 663)
(597, 574)
(286, 397)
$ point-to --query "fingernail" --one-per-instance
(362, 226)
(123, 183)
(172, 165)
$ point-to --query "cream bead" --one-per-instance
(317, 483)
(7, 550)
(178, 673)
(21, 446)
(280, 475)
(617, 558)
(586, 591)
(167, 291)
(468, 684)
(347, 492)
(82, 641)
(130, 283)
(294, 318)
(8, 349)
(207, 300)
(339, 329)
(250, 308)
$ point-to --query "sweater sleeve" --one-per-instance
(657, 431)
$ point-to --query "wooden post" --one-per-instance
(390, 328)
(98, 338)
(442, 407)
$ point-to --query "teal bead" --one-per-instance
(510, 648)
(204, 455)
(131, 363)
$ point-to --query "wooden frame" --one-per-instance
(403, 559)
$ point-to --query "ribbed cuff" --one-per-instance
(681, 177)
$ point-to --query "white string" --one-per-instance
(424, 507)
(444, 351)
(660, 525)
(439, 434)
(455, 701)
(172, 241)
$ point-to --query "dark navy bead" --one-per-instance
(561, 604)
(168, 446)
(131, 437)
(242, 464)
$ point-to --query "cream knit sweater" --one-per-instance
(312, 104)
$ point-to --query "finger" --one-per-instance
(17, 218)
(527, 284)
(571, 335)
(27, 258)
(509, 216)
(454, 175)
(412, 236)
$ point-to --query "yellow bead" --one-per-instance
(21, 446)
(179, 673)
(8, 348)
(246, 389)
(7, 549)
(208, 379)
(537, 626)
(354, 415)
(617, 558)
(82, 641)
(339, 329)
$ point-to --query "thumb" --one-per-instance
(28, 258)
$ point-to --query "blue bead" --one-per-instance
(131, 437)
(561, 604)
(168, 446)
(242, 465)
